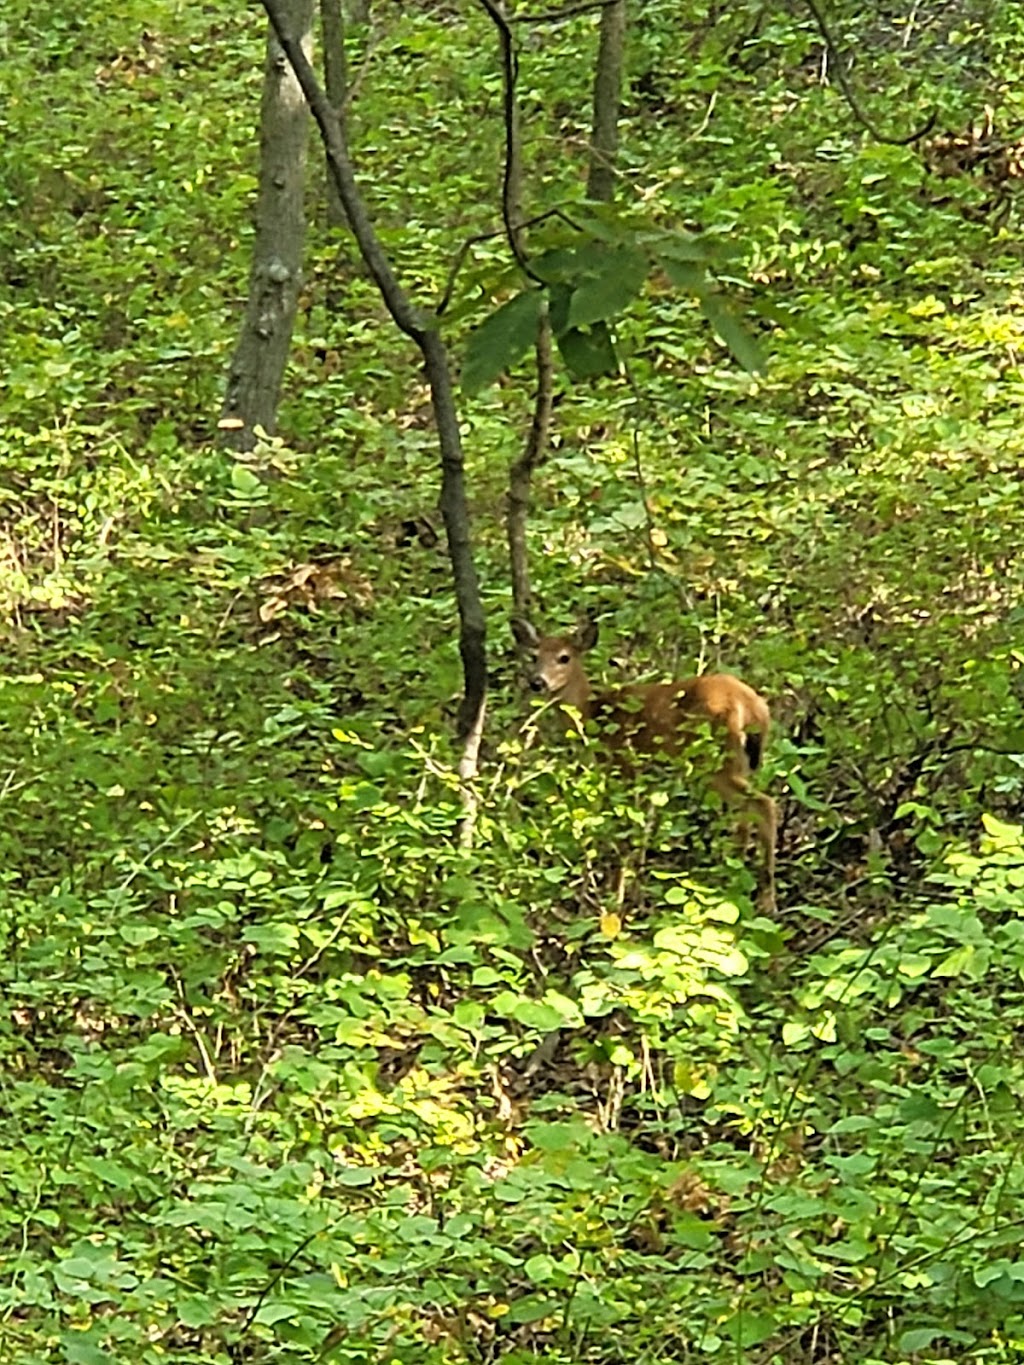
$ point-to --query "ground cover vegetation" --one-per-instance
(289, 1075)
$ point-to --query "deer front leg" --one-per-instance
(733, 786)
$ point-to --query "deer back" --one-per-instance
(663, 718)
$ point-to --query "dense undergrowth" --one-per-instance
(289, 1077)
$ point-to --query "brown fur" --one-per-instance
(662, 718)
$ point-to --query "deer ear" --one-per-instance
(585, 635)
(525, 633)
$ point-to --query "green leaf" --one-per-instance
(82, 1353)
(244, 483)
(501, 340)
(588, 354)
(963, 961)
(277, 1312)
(530, 1309)
(682, 247)
(558, 308)
(540, 1267)
(919, 1339)
(138, 934)
(688, 276)
(749, 1329)
(611, 290)
(745, 349)
(1002, 834)
(355, 1175)
(604, 222)
(559, 266)
(196, 1310)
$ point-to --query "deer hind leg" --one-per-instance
(732, 783)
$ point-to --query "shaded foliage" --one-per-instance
(287, 1075)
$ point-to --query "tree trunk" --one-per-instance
(332, 36)
(604, 137)
(257, 367)
(424, 333)
(535, 450)
(520, 474)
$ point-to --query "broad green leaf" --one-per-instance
(244, 483)
(355, 1175)
(82, 1353)
(486, 976)
(558, 308)
(691, 1231)
(604, 222)
(535, 1015)
(749, 1328)
(588, 354)
(852, 1167)
(745, 349)
(501, 340)
(137, 934)
(531, 1309)
(682, 247)
(610, 290)
(1002, 835)
(196, 1310)
(687, 275)
(919, 1338)
(270, 1313)
(961, 961)
(559, 266)
(540, 1267)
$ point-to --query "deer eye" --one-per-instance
(563, 658)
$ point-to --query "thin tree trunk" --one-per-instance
(535, 450)
(411, 322)
(332, 36)
(604, 137)
(520, 474)
(257, 367)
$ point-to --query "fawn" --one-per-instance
(662, 718)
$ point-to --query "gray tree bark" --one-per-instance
(257, 367)
(604, 136)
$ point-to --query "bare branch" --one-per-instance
(555, 16)
(511, 208)
(842, 76)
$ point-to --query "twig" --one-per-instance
(360, 76)
(511, 176)
(702, 127)
(185, 1015)
(842, 77)
(554, 16)
(463, 251)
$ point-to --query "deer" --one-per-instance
(661, 719)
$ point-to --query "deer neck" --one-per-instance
(577, 694)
